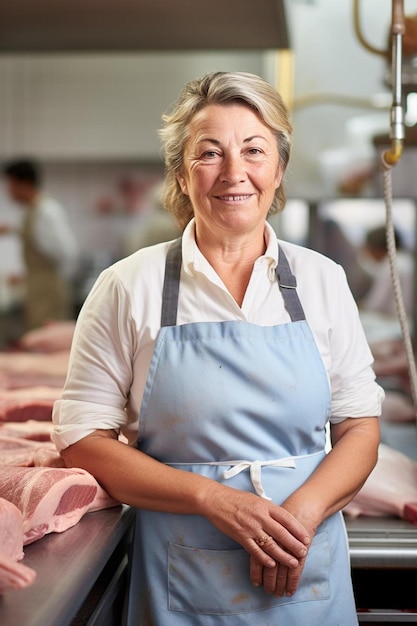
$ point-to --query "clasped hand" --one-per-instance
(275, 540)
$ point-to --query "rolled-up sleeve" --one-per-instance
(355, 392)
(100, 366)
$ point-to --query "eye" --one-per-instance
(255, 151)
(209, 154)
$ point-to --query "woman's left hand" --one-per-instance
(278, 580)
(281, 580)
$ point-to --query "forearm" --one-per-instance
(340, 475)
(134, 478)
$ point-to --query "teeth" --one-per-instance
(234, 198)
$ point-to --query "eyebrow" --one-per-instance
(217, 142)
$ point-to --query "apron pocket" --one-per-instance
(216, 582)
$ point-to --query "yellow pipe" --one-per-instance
(285, 75)
(359, 35)
(393, 155)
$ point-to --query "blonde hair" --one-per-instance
(219, 88)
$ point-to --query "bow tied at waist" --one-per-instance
(255, 469)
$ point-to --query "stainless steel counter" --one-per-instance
(384, 562)
(68, 567)
(80, 572)
(382, 542)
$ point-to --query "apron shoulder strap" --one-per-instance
(288, 287)
(286, 281)
(171, 284)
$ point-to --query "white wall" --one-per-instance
(92, 120)
(105, 106)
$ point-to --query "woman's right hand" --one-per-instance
(247, 518)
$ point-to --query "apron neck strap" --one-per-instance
(288, 288)
(171, 284)
(286, 281)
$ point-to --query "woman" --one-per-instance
(201, 350)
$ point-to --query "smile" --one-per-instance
(240, 198)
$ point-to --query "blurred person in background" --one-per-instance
(380, 297)
(155, 227)
(50, 249)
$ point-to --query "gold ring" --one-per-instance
(261, 541)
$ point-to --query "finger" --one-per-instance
(256, 572)
(270, 579)
(281, 581)
(280, 555)
(260, 555)
(270, 553)
(293, 579)
(289, 524)
(285, 540)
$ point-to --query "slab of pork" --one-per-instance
(52, 337)
(51, 499)
(33, 430)
(390, 490)
(13, 575)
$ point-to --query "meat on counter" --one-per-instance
(26, 369)
(55, 336)
(51, 499)
(390, 490)
(28, 403)
(13, 575)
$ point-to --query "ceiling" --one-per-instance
(129, 25)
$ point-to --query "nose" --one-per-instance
(233, 170)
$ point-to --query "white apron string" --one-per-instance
(255, 468)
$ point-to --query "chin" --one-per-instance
(238, 221)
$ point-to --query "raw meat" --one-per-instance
(52, 337)
(31, 403)
(397, 407)
(51, 499)
(24, 369)
(33, 430)
(12, 575)
(390, 490)
(48, 457)
(21, 380)
(15, 451)
(11, 531)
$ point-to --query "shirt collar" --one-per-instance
(194, 261)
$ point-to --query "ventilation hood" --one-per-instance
(139, 25)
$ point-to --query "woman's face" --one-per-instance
(231, 169)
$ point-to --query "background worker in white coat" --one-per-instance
(222, 357)
(50, 249)
(380, 296)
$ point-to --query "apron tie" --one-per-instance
(255, 469)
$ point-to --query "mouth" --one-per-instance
(234, 197)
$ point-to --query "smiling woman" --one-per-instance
(225, 357)
(230, 173)
(221, 89)
(226, 169)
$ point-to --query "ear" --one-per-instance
(278, 176)
(182, 183)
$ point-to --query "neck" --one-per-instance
(232, 257)
(32, 200)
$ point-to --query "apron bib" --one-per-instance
(247, 406)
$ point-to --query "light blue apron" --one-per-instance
(245, 405)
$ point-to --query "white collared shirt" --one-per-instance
(119, 322)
